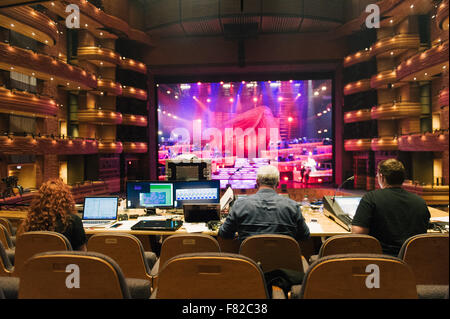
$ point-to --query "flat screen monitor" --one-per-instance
(242, 125)
(348, 204)
(194, 192)
(143, 194)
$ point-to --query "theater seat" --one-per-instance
(359, 276)
(46, 276)
(8, 244)
(127, 251)
(34, 242)
(427, 255)
(10, 228)
(9, 285)
(210, 276)
(348, 244)
(182, 244)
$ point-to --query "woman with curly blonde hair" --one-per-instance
(54, 210)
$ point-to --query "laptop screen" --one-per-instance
(100, 208)
(348, 204)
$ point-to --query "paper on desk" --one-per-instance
(314, 227)
(439, 219)
(195, 227)
(126, 225)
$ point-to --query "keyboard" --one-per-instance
(87, 223)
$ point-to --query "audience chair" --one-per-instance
(273, 252)
(427, 255)
(359, 276)
(5, 222)
(127, 251)
(184, 244)
(348, 244)
(8, 244)
(210, 276)
(8, 284)
(34, 242)
(72, 275)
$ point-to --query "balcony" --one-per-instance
(357, 87)
(357, 116)
(26, 104)
(110, 147)
(30, 23)
(432, 194)
(396, 110)
(109, 86)
(383, 80)
(99, 117)
(427, 142)
(356, 145)
(101, 57)
(134, 120)
(442, 15)
(424, 65)
(384, 144)
(46, 145)
(134, 147)
(45, 67)
(133, 65)
(358, 57)
(396, 45)
(131, 92)
(443, 98)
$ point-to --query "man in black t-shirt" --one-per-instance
(391, 214)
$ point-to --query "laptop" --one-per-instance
(168, 224)
(201, 213)
(99, 211)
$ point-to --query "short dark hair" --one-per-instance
(392, 170)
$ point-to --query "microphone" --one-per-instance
(229, 178)
(348, 179)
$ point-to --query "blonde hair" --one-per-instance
(268, 175)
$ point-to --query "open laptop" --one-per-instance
(201, 213)
(100, 211)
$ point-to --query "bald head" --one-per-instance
(268, 176)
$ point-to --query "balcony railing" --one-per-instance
(384, 144)
(356, 87)
(45, 67)
(396, 110)
(109, 86)
(101, 117)
(443, 98)
(427, 142)
(395, 45)
(133, 65)
(355, 145)
(442, 15)
(101, 57)
(358, 57)
(383, 80)
(110, 147)
(128, 91)
(29, 22)
(357, 116)
(30, 144)
(134, 147)
(134, 120)
(422, 66)
(23, 103)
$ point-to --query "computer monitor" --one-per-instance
(145, 194)
(194, 192)
(348, 204)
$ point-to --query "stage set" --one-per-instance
(241, 126)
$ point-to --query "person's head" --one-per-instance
(391, 172)
(54, 203)
(268, 176)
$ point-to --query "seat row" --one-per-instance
(267, 252)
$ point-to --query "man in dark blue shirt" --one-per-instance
(265, 212)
